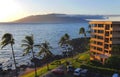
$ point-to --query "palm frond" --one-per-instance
(25, 45)
(26, 51)
(3, 45)
(28, 43)
(7, 38)
(47, 43)
(44, 48)
(66, 36)
(41, 51)
(62, 41)
(30, 39)
(25, 41)
(7, 35)
(37, 45)
(82, 30)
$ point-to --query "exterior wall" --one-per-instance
(101, 40)
(116, 34)
(116, 39)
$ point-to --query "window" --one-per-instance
(110, 32)
(106, 33)
(94, 42)
(95, 36)
(94, 48)
(99, 43)
(100, 37)
(110, 45)
(95, 31)
(99, 49)
(100, 25)
(110, 39)
(107, 27)
(106, 51)
(101, 59)
(107, 40)
(111, 26)
(100, 31)
(106, 46)
(95, 25)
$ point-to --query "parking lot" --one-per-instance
(66, 74)
(53, 73)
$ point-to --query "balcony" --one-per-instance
(111, 35)
(108, 54)
(96, 45)
(95, 39)
(99, 56)
(98, 28)
(100, 34)
(110, 42)
(111, 29)
(93, 50)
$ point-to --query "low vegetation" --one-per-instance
(80, 60)
(113, 62)
(101, 70)
(75, 61)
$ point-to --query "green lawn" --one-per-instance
(76, 62)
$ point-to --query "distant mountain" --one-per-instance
(57, 18)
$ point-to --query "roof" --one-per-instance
(115, 75)
(110, 18)
(102, 55)
(77, 69)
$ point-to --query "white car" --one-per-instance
(77, 71)
(84, 72)
(115, 75)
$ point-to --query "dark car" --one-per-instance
(58, 71)
(70, 69)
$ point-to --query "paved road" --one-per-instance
(50, 74)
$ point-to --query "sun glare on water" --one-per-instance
(9, 10)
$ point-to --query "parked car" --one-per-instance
(70, 69)
(115, 75)
(58, 71)
(84, 72)
(77, 71)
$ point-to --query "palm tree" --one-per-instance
(89, 29)
(45, 50)
(28, 44)
(7, 38)
(66, 36)
(82, 31)
(64, 39)
(64, 43)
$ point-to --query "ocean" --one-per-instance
(41, 32)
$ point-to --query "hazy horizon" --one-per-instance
(15, 9)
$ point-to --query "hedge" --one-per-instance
(100, 69)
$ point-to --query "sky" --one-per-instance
(15, 9)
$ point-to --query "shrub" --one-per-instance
(94, 63)
(113, 62)
(102, 70)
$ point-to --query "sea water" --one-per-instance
(41, 32)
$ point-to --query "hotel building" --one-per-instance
(105, 39)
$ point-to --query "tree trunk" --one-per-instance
(34, 64)
(14, 60)
(47, 66)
